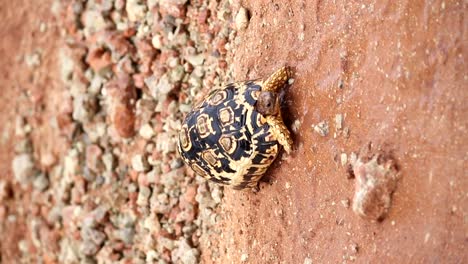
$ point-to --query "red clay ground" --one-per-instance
(402, 68)
(35, 92)
(395, 70)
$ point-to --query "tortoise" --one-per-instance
(234, 134)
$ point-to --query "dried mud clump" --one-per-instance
(376, 180)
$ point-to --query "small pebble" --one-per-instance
(344, 159)
(156, 41)
(139, 163)
(143, 195)
(242, 19)
(41, 182)
(33, 60)
(339, 121)
(345, 203)
(23, 169)
(195, 60)
(296, 126)
(322, 128)
(126, 234)
(135, 10)
(146, 131)
(244, 257)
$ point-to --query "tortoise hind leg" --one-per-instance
(277, 79)
(281, 132)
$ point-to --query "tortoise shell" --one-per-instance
(225, 139)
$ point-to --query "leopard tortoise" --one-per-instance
(235, 133)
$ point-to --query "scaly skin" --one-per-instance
(275, 82)
(281, 132)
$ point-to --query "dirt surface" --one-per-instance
(31, 93)
(394, 71)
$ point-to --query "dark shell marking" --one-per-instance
(226, 140)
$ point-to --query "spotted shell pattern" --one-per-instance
(226, 140)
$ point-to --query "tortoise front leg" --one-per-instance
(277, 80)
(281, 132)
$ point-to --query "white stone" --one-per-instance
(244, 257)
(146, 131)
(242, 19)
(139, 163)
(23, 168)
(135, 10)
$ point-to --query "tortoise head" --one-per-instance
(268, 103)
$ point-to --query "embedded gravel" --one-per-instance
(117, 191)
